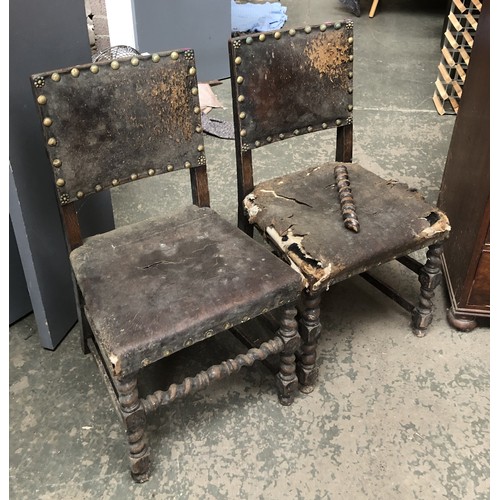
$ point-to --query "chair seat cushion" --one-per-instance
(300, 214)
(155, 287)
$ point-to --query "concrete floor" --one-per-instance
(393, 416)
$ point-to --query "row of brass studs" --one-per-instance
(277, 35)
(210, 333)
(296, 132)
(292, 32)
(133, 177)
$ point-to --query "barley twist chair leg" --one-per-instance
(309, 329)
(134, 418)
(430, 277)
(286, 379)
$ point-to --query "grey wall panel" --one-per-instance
(204, 26)
(19, 298)
(43, 36)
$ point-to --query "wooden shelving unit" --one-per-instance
(458, 40)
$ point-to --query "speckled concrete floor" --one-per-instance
(393, 417)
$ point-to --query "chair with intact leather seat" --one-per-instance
(331, 220)
(156, 287)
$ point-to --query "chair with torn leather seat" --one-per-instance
(152, 288)
(299, 81)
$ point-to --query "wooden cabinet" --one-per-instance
(465, 191)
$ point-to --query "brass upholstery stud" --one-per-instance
(349, 91)
(151, 171)
(243, 133)
(52, 141)
(115, 64)
(257, 144)
(115, 182)
(227, 326)
(281, 136)
(80, 195)
(245, 318)
(174, 56)
(194, 91)
(262, 37)
(292, 32)
(134, 177)
(349, 74)
(188, 342)
(350, 39)
(241, 98)
(192, 71)
(324, 125)
(134, 61)
(167, 352)
(98, 188)
(56, 77)
(47, 122)
(75, 72)
(239, 79)
(209, 333)
(200, 148)
(237, 60)
(296, 132)
(41, 99)
(60, 182)
(242, 115)
(196, 110)
(170, 168)
(349, 107)
(338, 122)
(198, 129)
(309, 129)
(187, 164)
(269, 138)
(56, 163)
(156, 58)
(322, 27)
(39, 82)
(307, 29)
(94, 69)
(277, 35)
(337, 26)
(248, 40)
(351, 58)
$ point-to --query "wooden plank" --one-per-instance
(451, 39)
(457, 88)
(460, 6)
(468, 38)
(446, 76)
(441, 90)
(449, 59)
(456, 23)
(464, 54)
(471, 19)
(438, 104)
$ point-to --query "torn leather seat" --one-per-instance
(299, 214)
(331, 219)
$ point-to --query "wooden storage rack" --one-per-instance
(458, 40)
